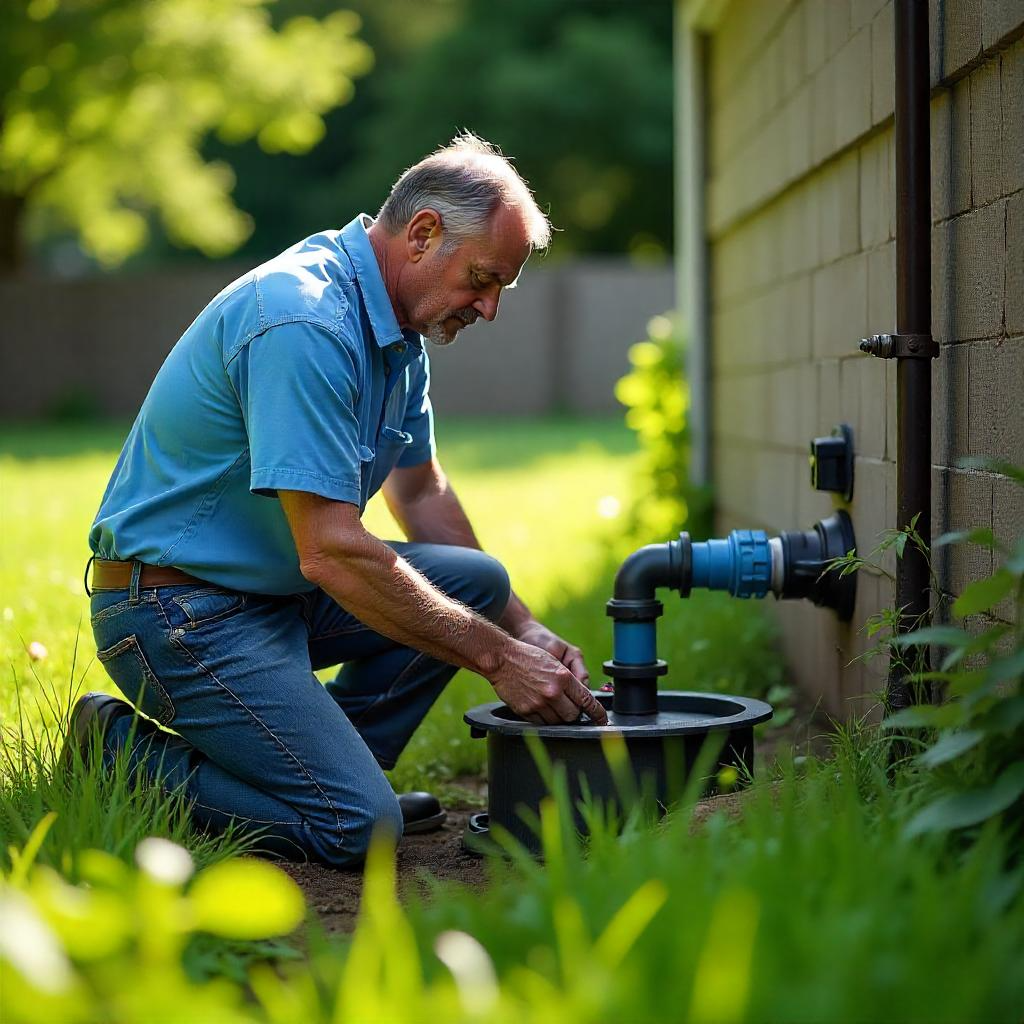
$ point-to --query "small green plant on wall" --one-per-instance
(969, 746)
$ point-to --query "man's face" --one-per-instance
(449, 291)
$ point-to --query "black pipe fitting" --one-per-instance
(654, 566)
(807, 554)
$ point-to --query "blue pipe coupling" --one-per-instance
(740, 564)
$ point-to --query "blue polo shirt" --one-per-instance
(296, 376)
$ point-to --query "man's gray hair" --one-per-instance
(464, 182)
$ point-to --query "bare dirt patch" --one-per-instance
(335, 895)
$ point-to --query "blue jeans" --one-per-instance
(260, 741)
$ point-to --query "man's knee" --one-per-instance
(492, 585)
(377, 814)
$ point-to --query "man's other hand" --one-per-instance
(542, 689)
(538, 635)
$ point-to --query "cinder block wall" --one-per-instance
(801, 227)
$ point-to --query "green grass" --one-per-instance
(810, 902)
(542, 495)
(812, 905)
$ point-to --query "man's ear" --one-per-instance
(422, 232)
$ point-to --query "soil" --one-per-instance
(335, 895)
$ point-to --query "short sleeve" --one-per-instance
(419, 415)
(297, 385)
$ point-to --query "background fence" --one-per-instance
(558, 345)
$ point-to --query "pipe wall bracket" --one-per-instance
(900, 346)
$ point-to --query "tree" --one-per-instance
(578, 91)
(105, 104)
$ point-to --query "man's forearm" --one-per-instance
(385, 592)
(436, 516)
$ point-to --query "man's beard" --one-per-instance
(435, 332)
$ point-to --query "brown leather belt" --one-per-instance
(108, 575)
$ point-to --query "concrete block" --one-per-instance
(958, 27)
(998, 19)
(997, 399)
(951, 151)
(734, 482)
(797, 132)
(882, 289)
(862, 12)
(798, 227)
(883, 68)
(796, 305)
(837, 25)
(968, 274)
(839, 208)
(792, 51)
(793, 402)
(951, 405)
(871, 510)
(1007, 524)
(815, 38)
(986, 134)
(828, 394)
(730, 267)
(960, 501)
(812, 505)
(853, 88)
(775, 483)
(840, 306)
(877, 190)
(1014, 316)
(871, 405)
(848, 410)
(1011, 68)
(809, 410)
(823, 113)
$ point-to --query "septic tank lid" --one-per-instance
(680, 713)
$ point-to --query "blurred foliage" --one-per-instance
(117, 946)
(657, 396)
(579, 92)
(104, 105)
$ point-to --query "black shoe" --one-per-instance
(421, 812)
(92, 711)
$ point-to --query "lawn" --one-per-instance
(804, 898)
(547, 498)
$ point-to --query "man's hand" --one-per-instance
(538, 635)
(541, 689)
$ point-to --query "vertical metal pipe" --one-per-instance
(913, 316)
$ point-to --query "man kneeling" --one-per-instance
(229, 559)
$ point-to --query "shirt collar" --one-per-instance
(386, 329)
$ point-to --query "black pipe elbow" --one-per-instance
(654, 566)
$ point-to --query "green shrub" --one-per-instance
(657, 396)
(970, 768)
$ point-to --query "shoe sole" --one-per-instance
(435, 821)
(91, 711)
